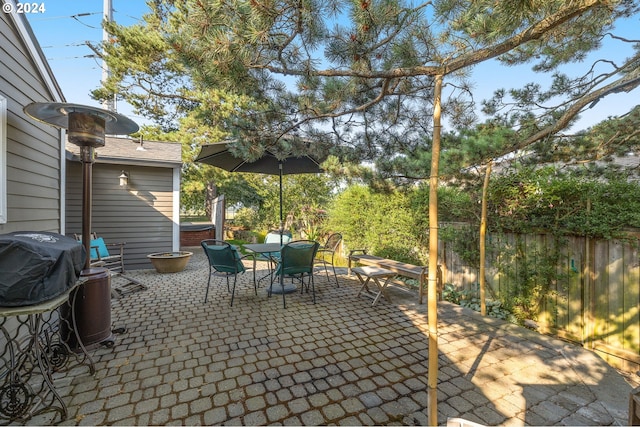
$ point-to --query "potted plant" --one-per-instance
(169, 262)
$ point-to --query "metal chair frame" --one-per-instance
(271, 258)
(329, 248)
(226, 263)
(296, 261)
(115, 265)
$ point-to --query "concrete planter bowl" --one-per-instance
(169, 262)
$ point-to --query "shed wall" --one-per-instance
(140, 215)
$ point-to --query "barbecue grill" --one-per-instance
(37, 266)
(39, 272)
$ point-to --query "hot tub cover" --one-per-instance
(37, 266)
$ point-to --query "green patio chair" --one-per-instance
(225, 261)
(296, 261)
(274, 237)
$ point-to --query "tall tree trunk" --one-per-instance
(432, 282)
(483, 235)
(211, 193)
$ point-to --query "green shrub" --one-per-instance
(533, 199)
(452, 294)
(382, 223)
(454, 205)
(246, 217)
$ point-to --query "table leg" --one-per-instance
(382, 289)
(46, 366)
(35, 352)
(364, 283)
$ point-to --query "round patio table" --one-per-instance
(267, 249)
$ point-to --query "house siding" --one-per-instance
(34, 150)
(142, 215)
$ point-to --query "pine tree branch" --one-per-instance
(465, 60)
(625, 83)
(572, 10)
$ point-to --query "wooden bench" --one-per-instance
(419, 273)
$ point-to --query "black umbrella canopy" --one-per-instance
(219, 155)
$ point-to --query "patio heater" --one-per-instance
(86, 127)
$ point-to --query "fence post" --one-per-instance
(589, 290)
(217, 216)
(589, 295)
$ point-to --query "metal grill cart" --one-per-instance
(38, 279)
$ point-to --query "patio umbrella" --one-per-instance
(218, 154)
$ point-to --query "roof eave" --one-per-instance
(127, 161)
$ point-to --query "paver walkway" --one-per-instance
(339, 361)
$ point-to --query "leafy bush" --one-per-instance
(452, 294)
(393, 224)
(246, 217)
(531, 274)
(454, 205)
(531, 199)
(382, 223)
(464, 240)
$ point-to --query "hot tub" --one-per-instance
(193, 234)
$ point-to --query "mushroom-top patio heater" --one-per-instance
(86, 127)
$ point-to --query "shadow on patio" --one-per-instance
(339, 361)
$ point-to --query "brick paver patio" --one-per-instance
(340, 361)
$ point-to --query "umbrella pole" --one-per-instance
(281, 221)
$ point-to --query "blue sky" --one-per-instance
(67, 24)
(62, 32)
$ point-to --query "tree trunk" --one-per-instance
(432, 291)
(212, 192)
(483, 235)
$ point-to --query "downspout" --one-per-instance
(176, 208)
(63, 182)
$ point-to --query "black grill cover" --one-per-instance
(37, 266)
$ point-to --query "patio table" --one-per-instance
(267, 249)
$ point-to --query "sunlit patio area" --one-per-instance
(339, 361)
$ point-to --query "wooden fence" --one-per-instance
(594, 299)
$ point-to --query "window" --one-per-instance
(3, 160)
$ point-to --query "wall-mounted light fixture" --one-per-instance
(124, 179)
